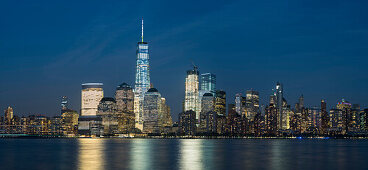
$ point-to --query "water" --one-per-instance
(191, 154)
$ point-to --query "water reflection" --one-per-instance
(191, 154)
(140, 154)
(91, 154)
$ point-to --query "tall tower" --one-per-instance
(142, 80)
(9, 115)
(208, 83)
(192, 92)
(64, 104)
(279, 91)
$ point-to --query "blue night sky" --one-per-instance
(315, 48)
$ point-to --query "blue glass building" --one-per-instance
(208, 83)
(142, 79)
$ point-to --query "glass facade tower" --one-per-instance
(208, 82)
(142, 79)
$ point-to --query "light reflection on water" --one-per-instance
(192, 154)
(91, 154)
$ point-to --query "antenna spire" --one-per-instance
(142, 29)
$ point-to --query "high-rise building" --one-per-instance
(220, 102)
(208, 83)
(9, 115)
(347, 118)
(64, 103)
(207, 105)
(92, 93)
(238, 103)
(166, 119)
(324, 117)
(187, 123)
(252, 103)
(69, 122)
(107, 109)
(142, 80)
(279, 104)
(152, 111)
(192, 92)
(314, 119)
(124, 97)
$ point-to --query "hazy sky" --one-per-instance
(315, 48)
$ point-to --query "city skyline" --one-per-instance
(171, 85)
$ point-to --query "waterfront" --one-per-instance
(182, 154)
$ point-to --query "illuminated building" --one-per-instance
(166, 120)
(64, 103)
(347, 117)
(207, 106)
(107, 110)
(314, 119)
(124, 97)
(151, 111)
(220, 102)
(208, 82)
(337, 121)
(142, 80)
(8, 115)
(324, 117)
(192, 92)
(234, 125)
(252, 103)
(278, 93)
(187, 123)
(70, 122)
(90, 126)
(92, 93)
(271, 119)
(238, 103)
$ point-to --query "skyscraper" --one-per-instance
(142, 79)
(279, 101)
(238, 103)
(192, 92)
(220, 102)
(9, 115)
(252, 103)
(208, 83)
(151, 111)
(324, 117)
(124, 97)
(92, 93)
(64, 103)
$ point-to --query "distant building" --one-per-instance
(187, 123)
(107, 110)
(192, 92)
(324, 118)
(252, 104)
(279, 96)
(92, 93)
(8, 115)
(124, 97)
(70, 122)
(208, 82)
(314, 119)
(239, 103)
(151, 111)
(220, 102)
(64, 103)
(207, 106)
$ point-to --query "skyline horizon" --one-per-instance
(312, 51)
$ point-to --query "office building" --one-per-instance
(92, 93)
(142, 80)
